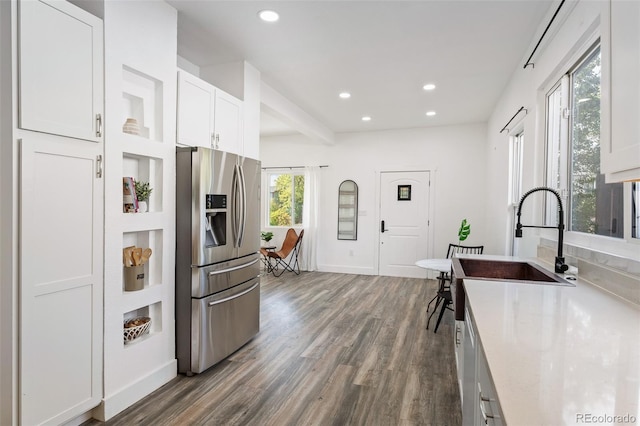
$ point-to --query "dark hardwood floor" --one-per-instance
(333, 349)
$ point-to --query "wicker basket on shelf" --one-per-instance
(136, 327)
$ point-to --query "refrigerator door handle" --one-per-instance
(235, 268)
(243, 203)
(235, 205)
(235, 296)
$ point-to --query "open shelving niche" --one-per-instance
(142, 99)
(146, 169)
(153, 311)
(153, 268)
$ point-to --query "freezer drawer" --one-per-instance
(223, 323)
(221, 276)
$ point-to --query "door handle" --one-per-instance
(382, 226)
(235, 296)
(243, 199)
(99, 125)
(237, 205)
(234, 268)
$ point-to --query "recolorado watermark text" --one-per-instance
(605, 418)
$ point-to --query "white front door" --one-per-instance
(403, 228)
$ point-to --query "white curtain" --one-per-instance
(310, 217)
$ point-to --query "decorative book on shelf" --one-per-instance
(129, 198)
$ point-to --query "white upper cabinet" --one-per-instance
(620, 147)
(60, 47)
(228, 123)
(208, 116)
(196, 103)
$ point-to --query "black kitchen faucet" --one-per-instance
(560, 266)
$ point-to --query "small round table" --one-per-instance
(265, 259)
(440, 265)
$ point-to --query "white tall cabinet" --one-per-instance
(59, 138)
(620, 148)
(140, 83)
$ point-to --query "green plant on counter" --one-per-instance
(143, 190)
(266, 236)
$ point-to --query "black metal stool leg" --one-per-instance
(441, 278)
(444, 307)
(435, 309)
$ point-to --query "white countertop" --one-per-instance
(559, 355)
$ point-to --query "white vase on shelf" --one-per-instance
(142, 207)
(131, 126)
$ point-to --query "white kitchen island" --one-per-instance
(558, 355)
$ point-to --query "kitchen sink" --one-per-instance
(505, 270)
(497, 270)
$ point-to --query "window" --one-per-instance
(515, 179)
(573, 153)
(286, 199)
(517, 147)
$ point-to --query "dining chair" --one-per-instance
(286, 259)
(443, 295)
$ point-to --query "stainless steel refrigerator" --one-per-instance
(217, 260)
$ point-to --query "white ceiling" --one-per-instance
(382, 52)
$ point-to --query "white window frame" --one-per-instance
(267, 196)
(627, 246)
(561, 146)
(516, 148)
(516, 153)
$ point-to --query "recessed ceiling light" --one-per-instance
(345, 95)
(429, 86)
(268, 15)
(366, 118)
(431, 113)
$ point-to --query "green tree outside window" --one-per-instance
(286, 199)
(591, 198)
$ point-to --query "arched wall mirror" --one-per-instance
(348, 210)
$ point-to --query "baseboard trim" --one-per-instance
(126, 397)
(341, 269)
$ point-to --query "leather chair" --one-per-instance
(285, 259)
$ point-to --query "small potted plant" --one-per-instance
(266, 236)
(143, 191)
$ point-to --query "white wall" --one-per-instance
(454, 154)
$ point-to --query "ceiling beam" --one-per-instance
(292, 115)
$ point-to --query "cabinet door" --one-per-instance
(228, 123)
(196, 101)
(60, 60)
(488, 405)
(469, 399)
(620, 148)
(61, 279)
(458, 341)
